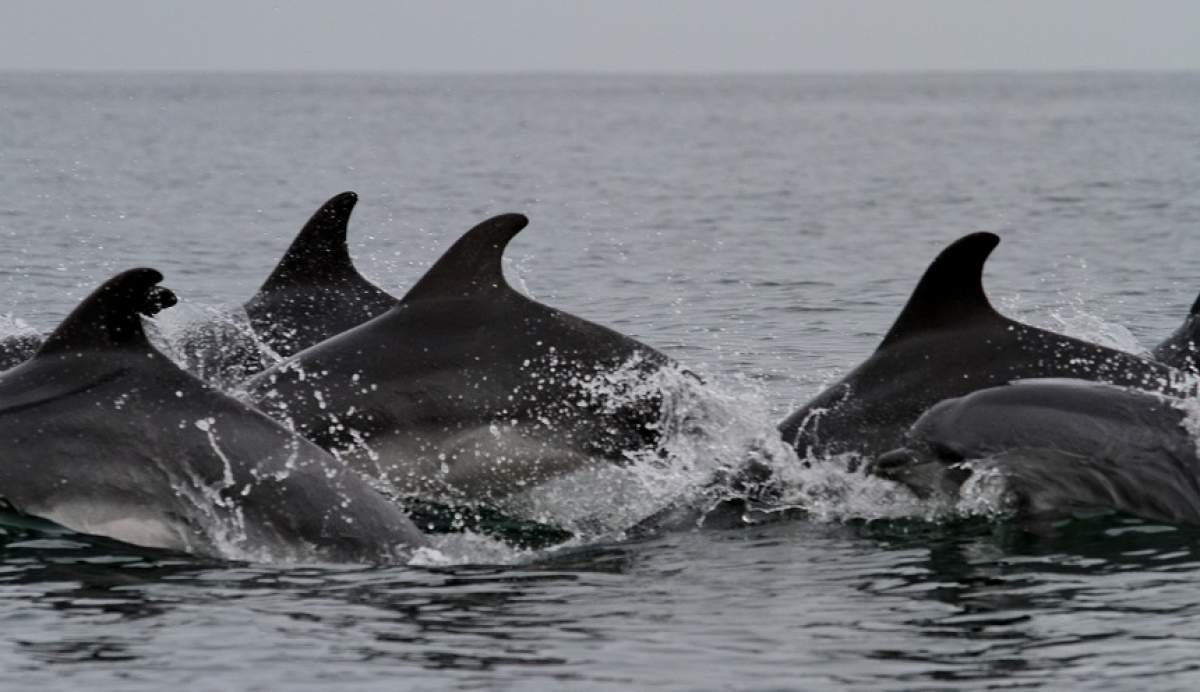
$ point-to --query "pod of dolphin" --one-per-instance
(466, 391)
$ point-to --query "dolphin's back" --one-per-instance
(103, 434)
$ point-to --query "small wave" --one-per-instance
(468, 547)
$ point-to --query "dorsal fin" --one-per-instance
(319, 254)
(950, 291)
(1195, 307)
(473, 264)
(111, 316)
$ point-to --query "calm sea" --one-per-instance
(762, 230)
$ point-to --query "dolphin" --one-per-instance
(1180, 348)
(467, 389)
(949, 341)
(103, 434)
(313, 293)
(1057, 445)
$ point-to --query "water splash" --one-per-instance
(468, 547)
(1190, 407)
(1075, 315)
(703, 431)
(515, 270)
(216, 344)
(718, 451)
(224, 522)
(18, 341)
(11, 325)
(985, 493)
(1076, 322)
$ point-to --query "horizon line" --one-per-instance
(304, 71)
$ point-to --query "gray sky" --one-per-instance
(603, 35)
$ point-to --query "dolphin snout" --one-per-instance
(892, 464)
(923, 474)
(903, 466)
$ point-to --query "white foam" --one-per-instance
(467, 548)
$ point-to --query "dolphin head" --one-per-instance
(930, 464)
(922, 471)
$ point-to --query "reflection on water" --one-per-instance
(1026, 601)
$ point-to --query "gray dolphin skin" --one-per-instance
(467, 389)
(104, 435)
(315, 291)
(1179, 350)
(1059, 446)
(949, 341)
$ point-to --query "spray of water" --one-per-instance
(11, 325)
(216, 344)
